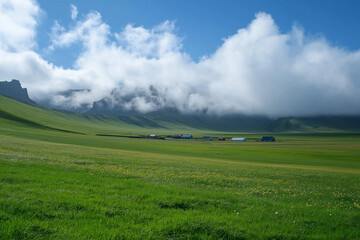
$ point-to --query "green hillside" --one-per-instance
(19, 114)
(14, 114)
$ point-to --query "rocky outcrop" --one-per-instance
(14, 90)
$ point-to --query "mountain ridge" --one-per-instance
(14, 90)
(171, 118)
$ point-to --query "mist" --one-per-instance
(257, 70)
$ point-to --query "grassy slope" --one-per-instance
(167, 122)
(62, 185)
(62, 120)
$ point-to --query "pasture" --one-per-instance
(304, 187)
(73, 184)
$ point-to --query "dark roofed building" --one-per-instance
(207, 138)
(268, 139)
(221, 139)
(186, 136)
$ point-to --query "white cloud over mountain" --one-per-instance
(258, 70)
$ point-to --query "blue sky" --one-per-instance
(204, 23)
(219, 57)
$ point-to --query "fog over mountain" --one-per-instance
(257, 70)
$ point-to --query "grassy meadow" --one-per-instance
(59, 180)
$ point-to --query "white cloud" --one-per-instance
(155, 42)
(18, 20)
(258, 70)
(74, 12)
(91, 31)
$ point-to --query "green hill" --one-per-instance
(17, 115)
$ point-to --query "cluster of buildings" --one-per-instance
(263, 139)
(209, 138)
(181, 136)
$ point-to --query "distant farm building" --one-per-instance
(152, 136)
(207, 138)
(180, 136)
(186, 136)
(221, 139)
(238, 140)
(268, 139)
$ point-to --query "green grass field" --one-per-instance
(59, 180)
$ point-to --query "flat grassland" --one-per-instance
(64, 185)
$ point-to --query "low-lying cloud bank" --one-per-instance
(258, 70)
